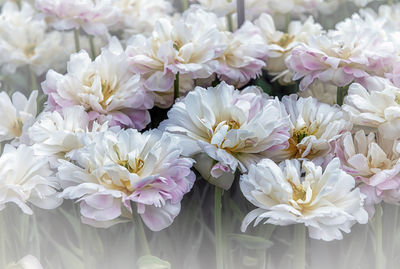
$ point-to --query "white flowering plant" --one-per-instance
(198, 134)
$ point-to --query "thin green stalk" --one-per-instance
(390, 2)
(218, 227)
(379, 258)
(230, 22)
(341, 94)
(77, 41)
(176, 86)
(184, 4)
(140, 231)
(300, 247)
(92, 47)
(33, 79)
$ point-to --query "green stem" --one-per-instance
(176, 86)
(185, 4)
(390, 2)
(92, 47)
(300, 246)
(33, 79)
(341, 94)
(379, 259)
(77, 42)
(230, 22)
(137, 220)
(288, 18)
(218, 227)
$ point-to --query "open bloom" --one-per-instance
(18, 114)
(24, 40)
(115, 169)
(374, 162)
(341, 57)
(376, 109)
(57, 133)
(327, 202)
(189, 45)
(24, 178)
(94, 16)
(235, 128)
(314, 126)
(105, 88)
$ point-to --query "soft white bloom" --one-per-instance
(105, 88)
(115, 169)
(323, 92)
(327, 202)
(220, 7)
(27, 262)
(280, 44)
(24, 40)
(57, 133)
(189, 45)
(140, 16)
(94, 16)
(373, 161)
(17, 114)
(244, 57)
(314, 126)
(235, 128)
(24, 178)
(378, 108)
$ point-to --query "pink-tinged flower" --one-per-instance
(234, 128)
(105, 88)
(341, 57)
(374, 162)
(24, 178)
(188, 46)
(314, 126)
(115, 169)
(94, 16)
(324, 200)
(244, 57)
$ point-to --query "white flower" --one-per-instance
(327, 202)
(235, 128)
(314, 126)
(189, 45)
(24, 40)
(219, 7)
(115, 169)
(140, 16)
(94, 16)
(105, 88)
(17, 114)
(24, 178)
(57, 133)
(27, 262)
(323, 92)
(373, 161)
(376, 109)
(244, 57)
(281, 44)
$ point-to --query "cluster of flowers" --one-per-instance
(306, 158)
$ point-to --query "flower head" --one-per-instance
(105, 88)
(24, 178)
(115, 169)
(327, 202)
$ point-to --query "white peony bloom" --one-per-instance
(18, 114)
(189, 45)
(373, 161)
(244, 57)
(376, 109)
(115, 169)
(27, 262)
(105, 88)
(235, 128)
(57, 133)
(24, 40)
(281, 44)
(140, 16)
(94, 16)
(327, 202)
(314, 126)
(24, 178)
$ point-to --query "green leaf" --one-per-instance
(152, 262)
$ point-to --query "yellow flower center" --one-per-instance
(29, 50)
(299, 193)
(285, 40)
(107, 90)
